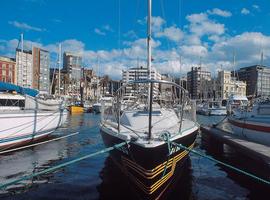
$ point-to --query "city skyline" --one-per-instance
(212, 30)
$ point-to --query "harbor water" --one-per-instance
(99, 178)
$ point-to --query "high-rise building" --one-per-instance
(41, 69)
(257, 79)
(199, 83)
(24, 63)
(72, 65)
(228, 85)
(139, 73)
(8, 70)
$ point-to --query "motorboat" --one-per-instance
(253, 123)
(213, 108)
(25, 118)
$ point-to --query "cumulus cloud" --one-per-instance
(172, 33)
(202, 37)
(25, 26)
(201, 25)
(245, 11)
(219, 12)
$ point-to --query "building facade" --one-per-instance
(41, 69)
(8, 70)
(257, 79)
(24, 63)
(72, 64)
(199, 83)
(139, 73)
(228, 85)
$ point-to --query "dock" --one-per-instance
(253, 150)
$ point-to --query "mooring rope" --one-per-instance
(54, 168)
(222, 163)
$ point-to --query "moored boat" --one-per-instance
(22, 119)
(147, 161)
(212, 108)
(255, 124)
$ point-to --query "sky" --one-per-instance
(110, 35)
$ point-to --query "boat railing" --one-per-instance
(134, 96)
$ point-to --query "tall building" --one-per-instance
(72, 65)
(228, 85)
(41, 69)
(257, 79)
(24, 63)
(199, 83)
(139, 73)
(8, 70)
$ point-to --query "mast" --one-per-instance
(149, 56)
(22, 57)
(261, 71)
(59, 64)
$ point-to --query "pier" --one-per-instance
(253, 150)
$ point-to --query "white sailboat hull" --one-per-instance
(255, 131)
(23, 126)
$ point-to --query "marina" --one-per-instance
(99, 178)
(141, 100)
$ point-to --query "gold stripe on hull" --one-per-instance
(153, 173)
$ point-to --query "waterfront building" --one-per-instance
(8, 70)
(199, 83)
(72, 64)
(257, 78)
(41, 72)
(24, 63)
(228, 85)
(140, 73)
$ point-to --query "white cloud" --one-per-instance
(256, 7)
(201, 25)
(157, 23)
(99, 32)
(103, 30)
(172, 33)
(219, 12)
(197, 18)
(24, 26)
(131, 34)
(245, 11)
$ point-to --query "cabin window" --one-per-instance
(12, 102)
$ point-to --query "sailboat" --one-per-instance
(149, 125)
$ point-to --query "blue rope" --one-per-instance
(222, 163)
(54, 168)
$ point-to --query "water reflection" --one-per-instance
(115, 184)
(26, 162)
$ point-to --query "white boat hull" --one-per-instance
(218, 112)
(254, 131)
(19, 127)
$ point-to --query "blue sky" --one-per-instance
(114, 31)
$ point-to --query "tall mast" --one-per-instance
(261, 71)
(149, 56)
(21, 70)
(59, 64)
(149, 53)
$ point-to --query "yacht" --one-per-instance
(24, 117)
(253, 123)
